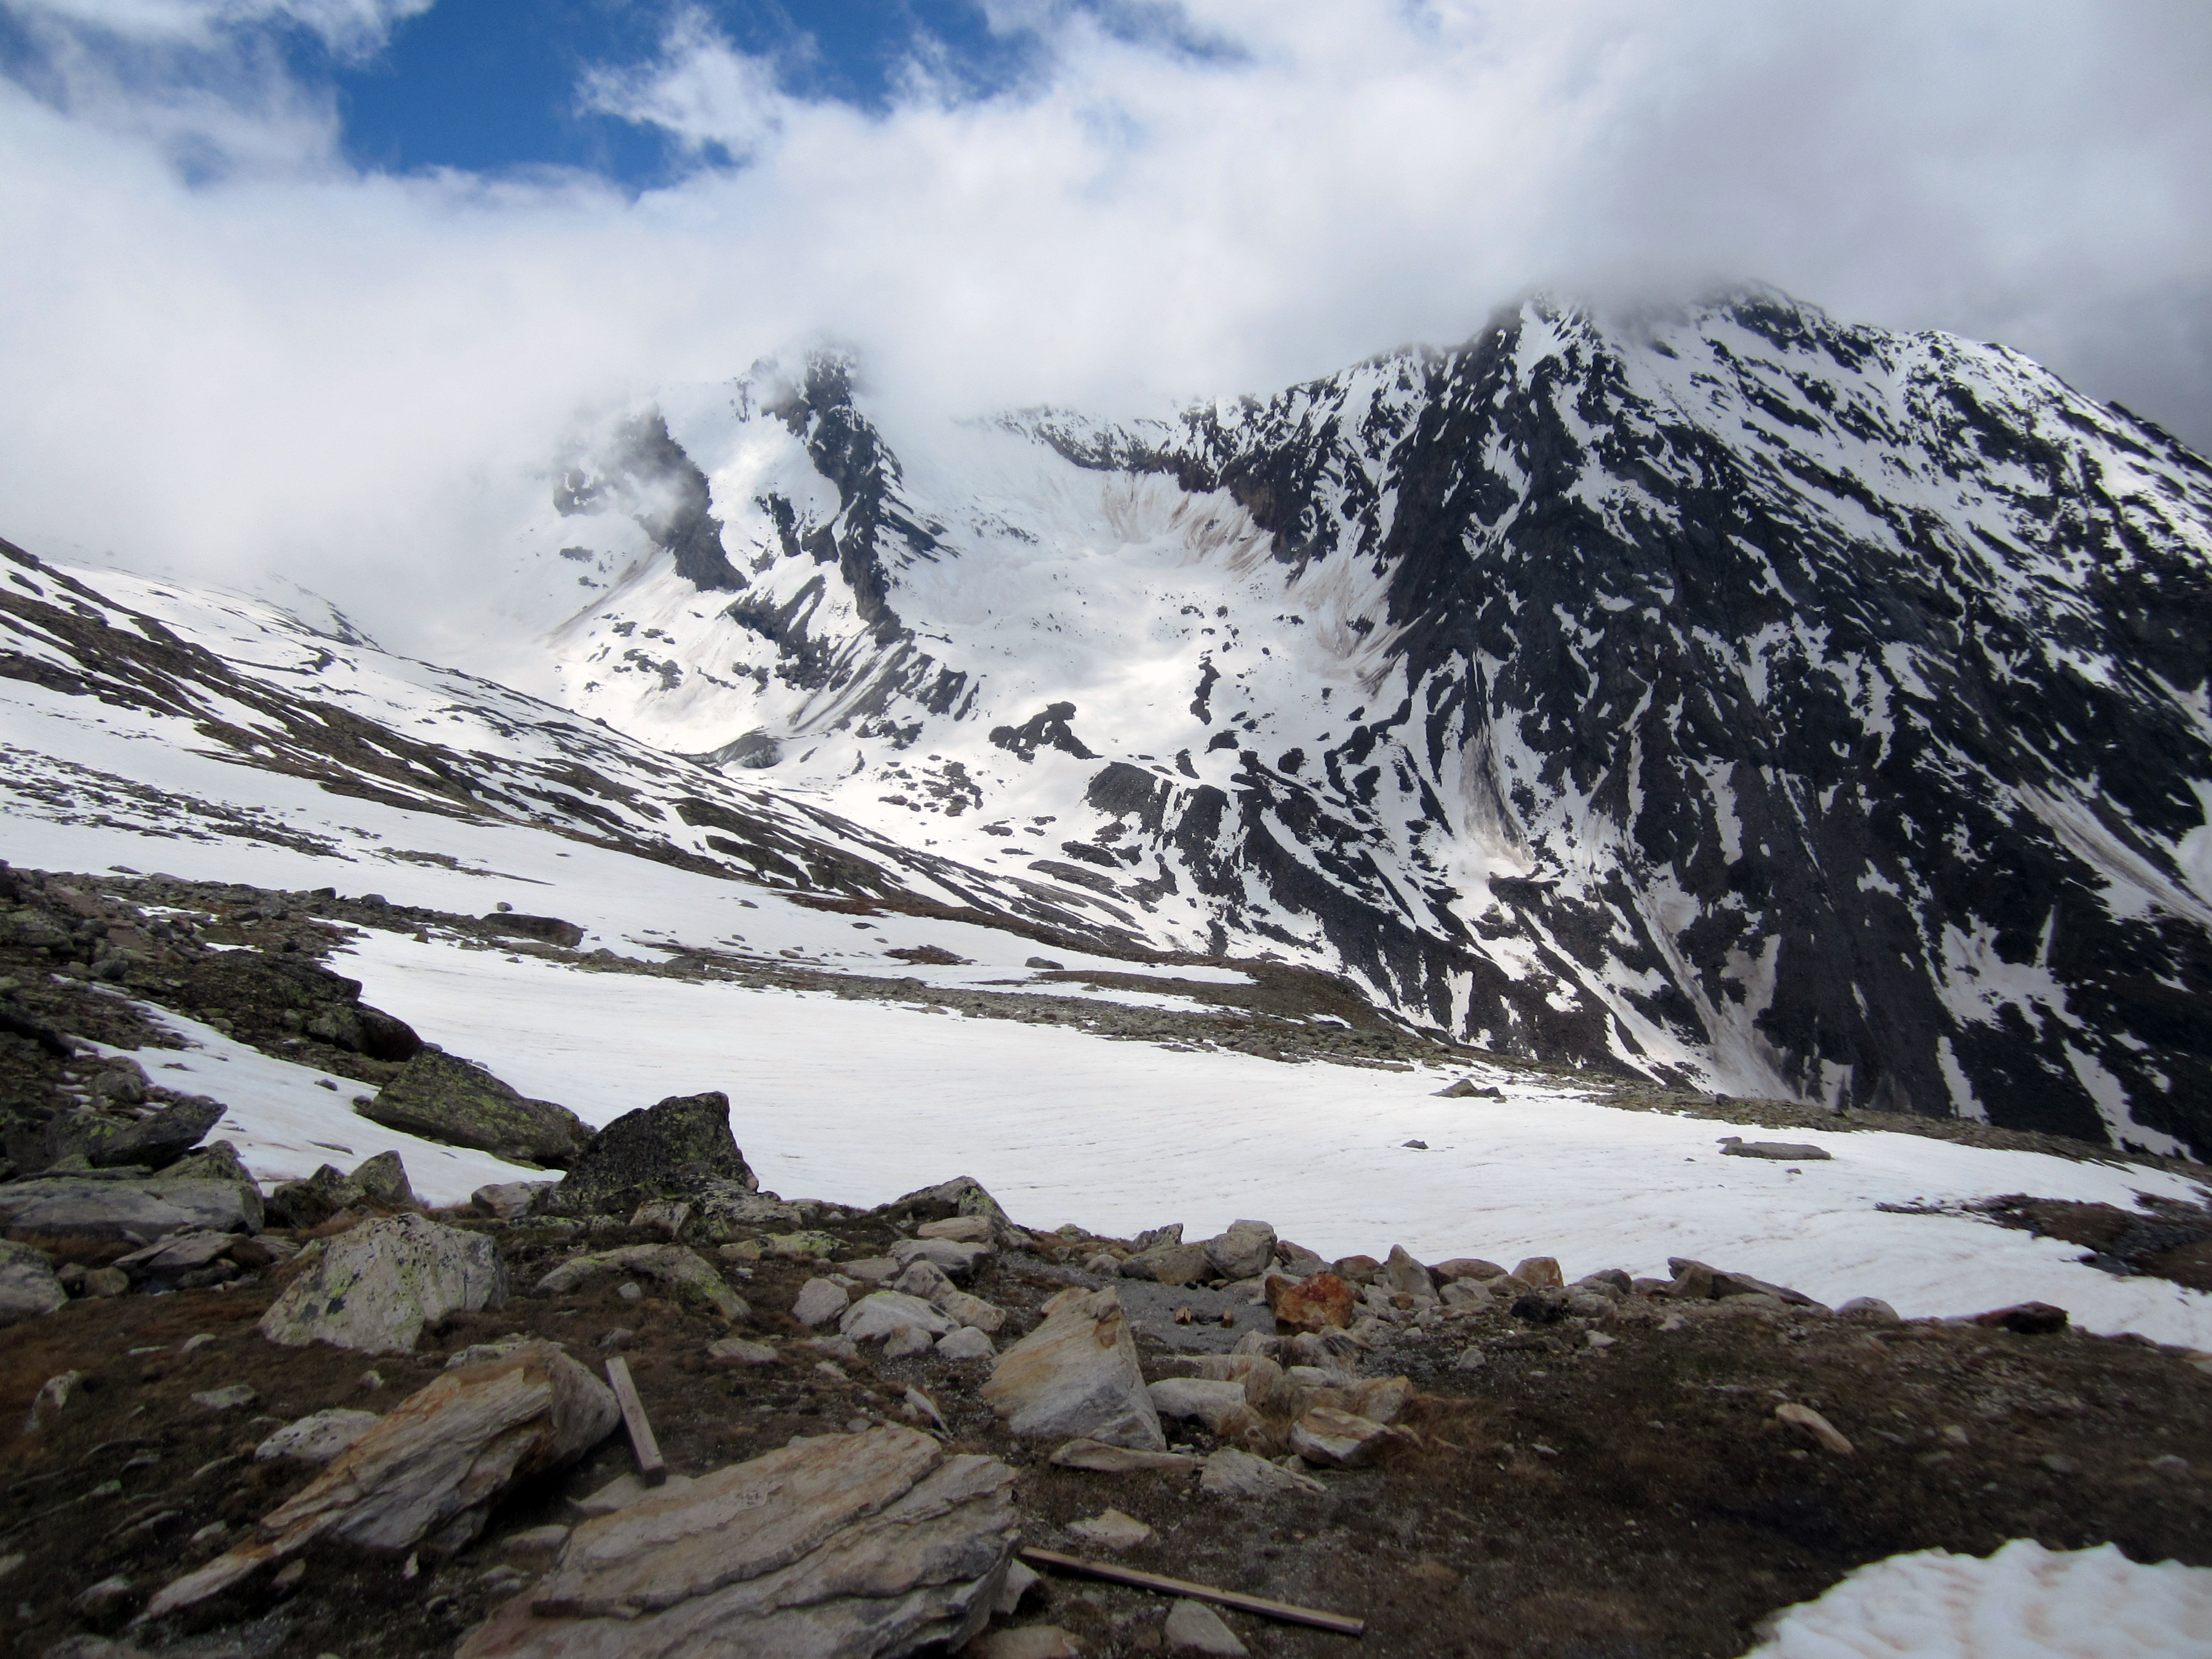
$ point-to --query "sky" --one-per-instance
(320, 286)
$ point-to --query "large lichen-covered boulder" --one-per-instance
(669, 1149)
(443, 1097)
(91, 1215)
(843, 1546)
(377, 1287)
(28, 1288)
(429, 1473)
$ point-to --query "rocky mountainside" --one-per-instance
(1728, 696)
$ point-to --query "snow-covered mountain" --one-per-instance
(1729, 695)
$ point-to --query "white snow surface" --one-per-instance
(286, 1120)
(2023, 1602)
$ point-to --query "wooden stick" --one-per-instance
(650, 1468)
(1152, 1581)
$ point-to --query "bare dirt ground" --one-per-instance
(1558, 1501)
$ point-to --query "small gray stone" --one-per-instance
(736, 1351)
(227, 1398)
(1193, 1627)
(966, 1343)
(1110, 1529)
(317, 1438)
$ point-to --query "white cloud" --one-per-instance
(351, 25)
(346, 376)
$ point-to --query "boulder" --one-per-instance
(1245, 1251)
(507, 1200)
(1356, 1269)
(1218, 1406)
(1338, 1439)
(1077, 1375)
(660, 1151)
(317, 1439)
(676, 1266)
(1321, 1303)
(1168, 1264)
(949, 1257)
(148, 1143)
(28, 1287)
(966, 1309)
(1469, 1267)
(2026, 1319)
(963, 1195)
(1781, 1152)
(886, 1313)
(843, 1546)
(1469, 1295)
(429, 1472)
(375, 1288)
(819, 1301)
(93, 1214)
(378, 1185)
(550, 930)
(1698, 1281)
(443, 1097)
(1541, 1272)
(1232, 1473)
(968, 1342)
(1402, 1275)
(1868, 1310)
(179, 1252)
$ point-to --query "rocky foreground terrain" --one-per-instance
(323, 1418)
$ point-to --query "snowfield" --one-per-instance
(858, 1101)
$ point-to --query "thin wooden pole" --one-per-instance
(650, 1468)
(1283, 1611)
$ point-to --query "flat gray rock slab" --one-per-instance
(76, 1214)
(843, 1546)
(1077, 1377)
(427, 1475)
(376, 1287)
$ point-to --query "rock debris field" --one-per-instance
(623, 1400)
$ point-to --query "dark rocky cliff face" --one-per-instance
(1849, 697)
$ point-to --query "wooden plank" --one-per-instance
(1283, 1611)
(650, 1468)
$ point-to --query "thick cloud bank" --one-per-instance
(229, 350)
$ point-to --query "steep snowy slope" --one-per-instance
(1730, 695)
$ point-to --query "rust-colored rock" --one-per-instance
(1321, 1303)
